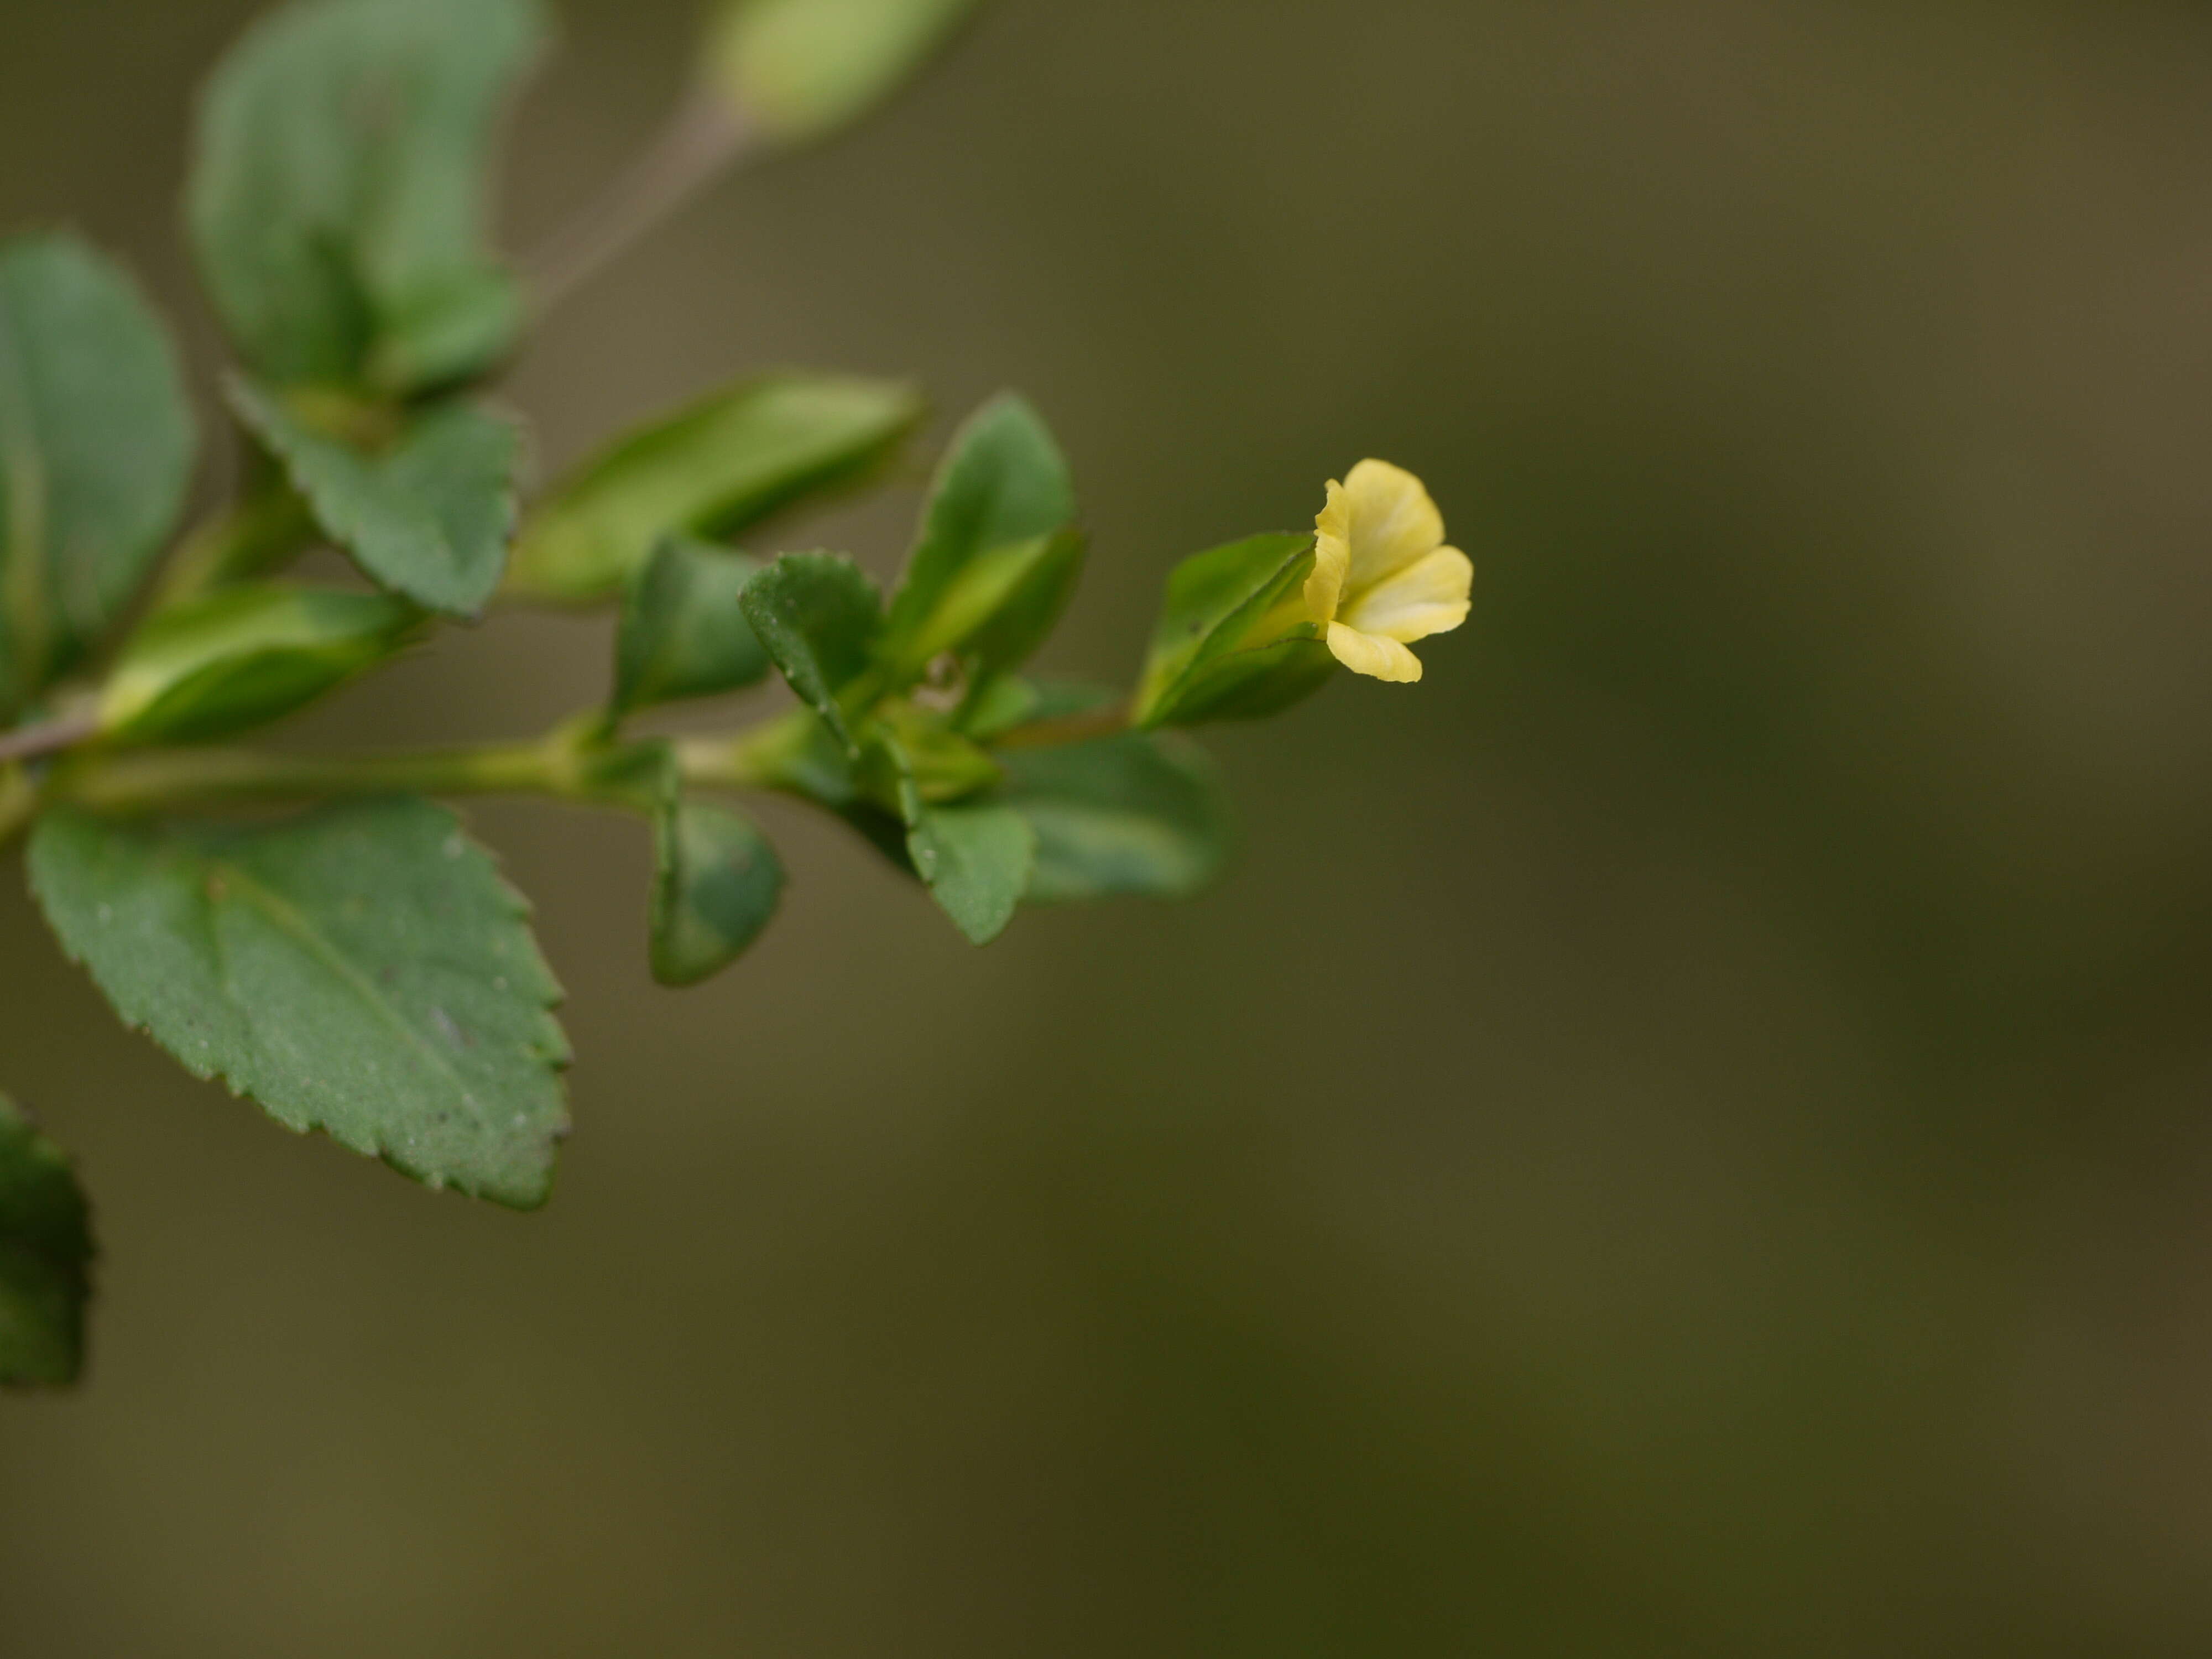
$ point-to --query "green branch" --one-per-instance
(574, 763)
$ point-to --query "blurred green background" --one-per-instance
(1685, 1134)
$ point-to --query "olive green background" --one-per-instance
(1686, 1133)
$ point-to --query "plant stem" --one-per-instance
(704, 136)
(571, 764)
(246, 540)
(1108, 722)
(19, 799)
(33, 742)
(158, 779)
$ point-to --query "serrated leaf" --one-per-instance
(817, 615)
(364, 970)
(1135, 815)
(1234, 642)
(978, 861)
(97, 444)
(683, 628)
(244, 657)
(339, 189)
(714, 470)
(427, 515)
(45, 1258)
(1004, 485)
(716, 888)
(802, 70)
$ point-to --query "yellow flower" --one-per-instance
(1383, 576)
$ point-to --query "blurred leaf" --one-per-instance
(716, 889)
(802, 70)
(97, 444)
(1004, 486)
(683, 630)
(244, 657)
(363, 969)
(45, 1258)
(338, 192)
(978, 861)
(817, 615)
(427, 515)
(1135, 815)
(715, 470)
(1234, 642)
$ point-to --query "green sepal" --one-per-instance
(1234, 642)
(978, 859)
(1136, 816)
(800, 70)
(97, 445)
(244, 657)
(362, 969)
(817, 615)
(1251, 685)
(683, 630)
(426, 512)
(340, 185)
(716, 886)
(45, 1258)
(1001, 497)
(713, 470)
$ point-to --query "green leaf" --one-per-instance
(715, 470)
(978, 861)
(339, 189)
(427, 515)
(45, 1258)
(244, 657)
(817, 615)
(364, 970)
(1135, 815)
(1025, 616)
(683, 630)
(1234, 642)
(802, 70)
(717, 886)
(97, 445)
(1004, 485)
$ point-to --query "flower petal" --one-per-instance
(1427, 598)
(1378, 658)
(1332, 555)
(1394, 523)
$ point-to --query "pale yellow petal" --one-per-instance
(1428, 597)
(1332, 555)
(1377, 659)
(1394, 523)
